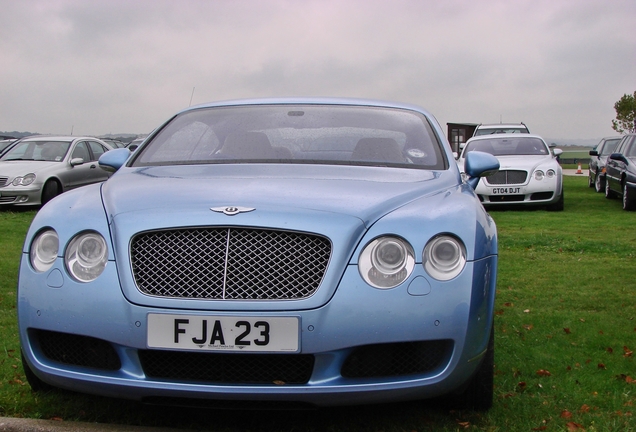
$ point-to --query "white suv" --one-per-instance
(489, 129)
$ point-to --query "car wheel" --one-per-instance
(608, 192)
(50, 190)
(557, 206)
(629, 201)
(479, 393)
(599, 183)
(591, 179)
(36, 383)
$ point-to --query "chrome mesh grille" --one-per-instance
(507, 177)
(229, 263)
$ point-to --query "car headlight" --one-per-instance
(386, 262)
(24, 180)
(86, 256)
(44, 248)
(538, 175)
(444, 257)
(550, 173)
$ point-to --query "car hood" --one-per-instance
(19, 168)
(337, 202)
(364, 193)
(524, 162)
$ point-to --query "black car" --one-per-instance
(620, 176)
(596, 176)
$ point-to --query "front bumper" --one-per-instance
(359, 324)
(531, 194)
(21, 195)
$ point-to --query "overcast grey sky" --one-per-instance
(120, 66)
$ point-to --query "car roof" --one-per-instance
(68, 138)
(503, 136)
(310, 101)
(502, 125)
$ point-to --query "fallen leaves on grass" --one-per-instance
(543, 373)
(572, 427)
(463, 424)
(628, 379)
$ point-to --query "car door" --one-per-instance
(97, 174)
(614, 167)
(77, 172)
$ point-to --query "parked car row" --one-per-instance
(529, 173)
(620, 171)
(596, 173)
(34, 170)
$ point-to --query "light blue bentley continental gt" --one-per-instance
(314, 252)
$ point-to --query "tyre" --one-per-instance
(591, 179)
(479, 393)
(629, 198)
(557, 206)
(599, 183)
(50, 190)
(36, 383)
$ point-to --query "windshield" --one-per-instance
(509, 146)
(4, 144)
(52, 151)
(296, 134)
(501, 130)
(609, 146)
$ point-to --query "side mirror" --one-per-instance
(479, 164)
(112, 160)
(557, 152)
(593, 153)
(618, 157)
(77, 161)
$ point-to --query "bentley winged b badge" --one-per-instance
(232, 210)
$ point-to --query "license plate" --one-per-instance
(223, 333)
(506, 191)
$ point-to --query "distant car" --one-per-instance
(114, 143)
(596, 175)
(620, 176)
(5, 143)
(500, 128)
(36, 169)
(132, 146)
(309, 251)
(529, 173)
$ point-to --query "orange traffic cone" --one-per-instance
(579, 171)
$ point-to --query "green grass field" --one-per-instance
(565, 334)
